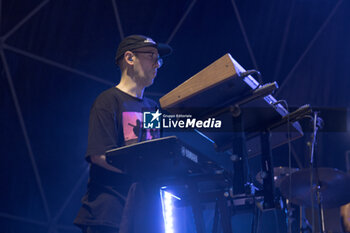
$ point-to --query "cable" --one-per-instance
(251, 72)
(282, 102)
(289, 161)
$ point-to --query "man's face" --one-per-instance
(145, 65)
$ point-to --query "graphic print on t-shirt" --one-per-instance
(132, 128)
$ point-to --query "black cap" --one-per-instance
(138, 41)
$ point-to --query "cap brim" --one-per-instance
(164, 49)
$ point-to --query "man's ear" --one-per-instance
(128, 56)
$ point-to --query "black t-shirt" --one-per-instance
(115, 120)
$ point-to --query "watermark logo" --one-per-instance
(151, 120)
(157, 120)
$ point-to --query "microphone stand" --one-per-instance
(317, 124)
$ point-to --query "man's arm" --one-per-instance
(345, 217)
(100, 160)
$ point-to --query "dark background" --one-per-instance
(57, 56)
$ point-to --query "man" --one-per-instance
(113, 201)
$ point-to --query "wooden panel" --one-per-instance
(218, 72)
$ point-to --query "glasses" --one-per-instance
(155, 58)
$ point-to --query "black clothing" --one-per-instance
(115, 120)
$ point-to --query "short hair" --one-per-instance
(121, 63)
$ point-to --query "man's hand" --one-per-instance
(345, 215)
(101, 161)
